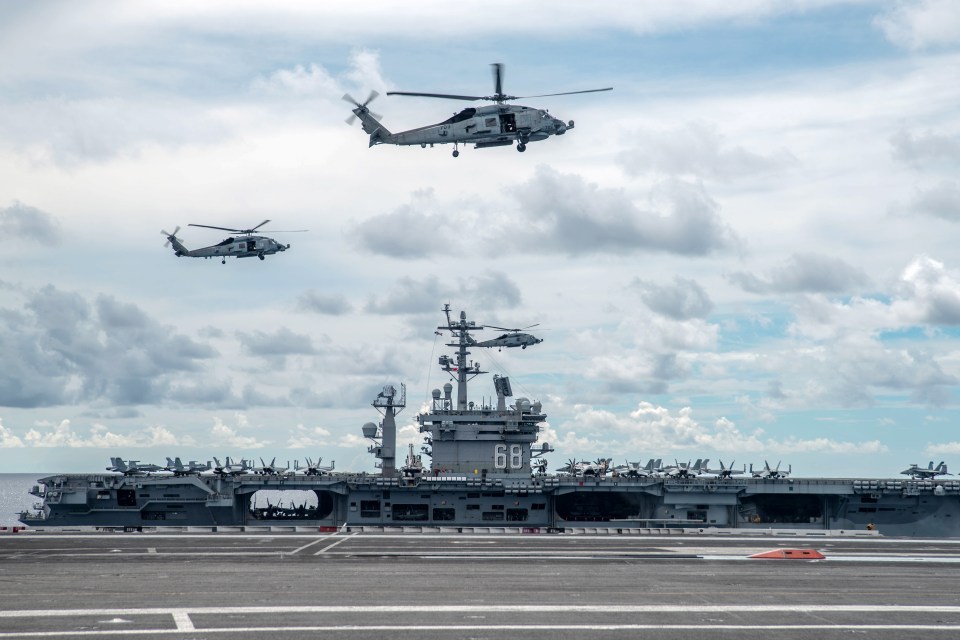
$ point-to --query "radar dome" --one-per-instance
(369, 430)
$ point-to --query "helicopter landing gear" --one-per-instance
(455, 153)
(260, 256)
(521, 146)
(224, 261)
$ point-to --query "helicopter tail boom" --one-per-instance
(379, 134)
(178, 248)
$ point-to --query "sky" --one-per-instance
(746, 251)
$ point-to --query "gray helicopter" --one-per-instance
(513, 338)
(246, 245)
(495, 125)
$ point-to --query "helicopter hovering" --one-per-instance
(495, 125)
(513, 338)
(245, 246)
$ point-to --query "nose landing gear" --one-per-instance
(521, 147)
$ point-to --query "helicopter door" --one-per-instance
(508, 123)
(251, 245)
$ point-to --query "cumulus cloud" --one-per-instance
(645, 352)
(418, 229)
(303, 437)
(310, 81)
(563, 213)
(940, 201)
(929, 293)
(29, 223)
(492, 290)
(313, 81)
(683, 300)
(282, 342)
(650, 427)
(553, 213)
(312, 301)
(60, 348)
(943, 448)
(921, 24)
(68, 131)
(8, 440)
(98, 436)
(698, 150)
(803, 273)
(224, 435)
(925, 148)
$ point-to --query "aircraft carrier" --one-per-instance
(486, 471)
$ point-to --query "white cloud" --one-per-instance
(940, 201)
(312, 81)
(304, 438)
(63, 435)
(942, 449)
(921, 24)
(653, 428)
(697, 150)
(223, 435)
(807, 272)
(7, 438)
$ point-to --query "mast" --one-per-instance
(464, 369)
(385, 436)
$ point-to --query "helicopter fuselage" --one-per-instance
(487, 126)
(237, 247)
(523, 340)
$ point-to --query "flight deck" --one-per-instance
(409, 585)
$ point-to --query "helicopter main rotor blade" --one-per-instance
(514, 330)
(435, 95)
(497, 78)
(257, 227)
(207, 226)
(565, 93)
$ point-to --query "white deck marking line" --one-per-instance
(310, 544)
(498, 608)
(331, 546)
(183, 621)
(151, 550)
(492, 627)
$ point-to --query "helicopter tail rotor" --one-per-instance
(361, 106)
(170, 236)
(178, 248)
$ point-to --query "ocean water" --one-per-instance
(14, 497)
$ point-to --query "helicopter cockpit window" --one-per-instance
(466, 114)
